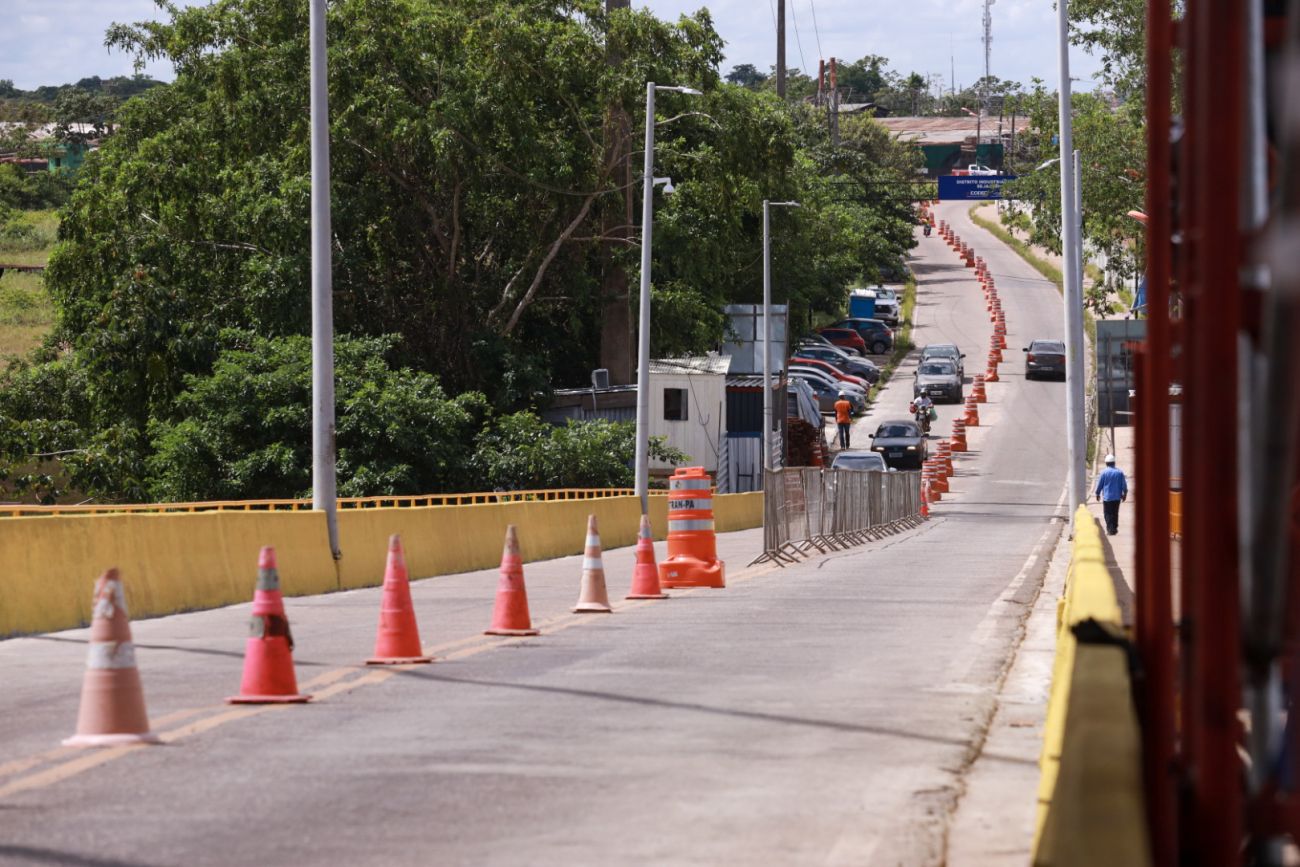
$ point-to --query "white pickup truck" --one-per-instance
(977, 169)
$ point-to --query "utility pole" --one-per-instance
(616, 309)
(324, 481)
(780, 48)
(1074, 407)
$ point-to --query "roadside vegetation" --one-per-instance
(477, 248)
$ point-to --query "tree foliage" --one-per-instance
(471, 184)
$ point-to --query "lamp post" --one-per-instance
(768, 463)
(323, 478)
(643, 321)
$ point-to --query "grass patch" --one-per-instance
(26, 311)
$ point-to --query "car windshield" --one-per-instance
(1048, 346)
(940, 352)
(858, 462)
(937, 368)
(896, 430)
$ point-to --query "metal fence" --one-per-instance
(809, 509)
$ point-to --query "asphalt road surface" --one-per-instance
(819, 714)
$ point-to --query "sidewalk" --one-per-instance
(1121, 549)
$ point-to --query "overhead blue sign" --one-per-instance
(972, 187)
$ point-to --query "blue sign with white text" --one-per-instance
(972, 187)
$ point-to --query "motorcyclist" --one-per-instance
(923, 410)
(925, 227)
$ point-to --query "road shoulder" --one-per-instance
(993, 823)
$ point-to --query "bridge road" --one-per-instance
(819, 714)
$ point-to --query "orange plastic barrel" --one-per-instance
(692, 559)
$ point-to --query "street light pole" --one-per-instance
(768, 462)
(1074, 421)
(643, 319)
(642, 470)
(323, 469)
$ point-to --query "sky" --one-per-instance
(61, 41)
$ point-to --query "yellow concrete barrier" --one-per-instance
(174, 562)
(1090, 805)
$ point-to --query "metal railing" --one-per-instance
(16, 510)
(809, 509)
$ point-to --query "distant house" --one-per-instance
(949, 143)
(688, 407)
(55, 155)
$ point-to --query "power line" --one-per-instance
(816, 30)
(794, 16)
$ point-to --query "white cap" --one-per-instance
(1110, 459)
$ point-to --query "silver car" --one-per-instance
(944, 351)
(939, 378)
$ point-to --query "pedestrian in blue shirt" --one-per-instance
(1112, 489)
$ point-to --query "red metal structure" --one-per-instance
(1218, 642)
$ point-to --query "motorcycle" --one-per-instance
(926, 229)
(922, 416)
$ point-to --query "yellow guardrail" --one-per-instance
(20, 510)
(180, 561)
(1090, 803)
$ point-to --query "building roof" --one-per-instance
(949, 130)
(715, 365)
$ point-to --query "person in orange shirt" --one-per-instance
(844, 418)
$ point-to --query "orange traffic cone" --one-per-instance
(645, 574)
(398, 640)
(925, 498)
(112, 700)
(268, 652)
(592, 598)
(510, 615)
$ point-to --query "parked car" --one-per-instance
(869, 376)
(829, 381)
(947, 352)
(813, 337)
(827, 395)
(845, 338)
(828, 369)
(901, 444)
(842, 360)
(1045, 358)
(938, 378)
(876, 335)
(857, 459)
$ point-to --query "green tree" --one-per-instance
(244, 431)
(746, 75)
(522, 452)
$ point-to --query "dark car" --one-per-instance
(1045, 358)
(945, 351)
(901, 444)
(938, 378)
(827, 395)
(845, 338)
(839, 358)
(874, 333)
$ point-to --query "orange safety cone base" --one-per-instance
(689, 572)
(511, 632)
(398, 660)
(592, 608)
(647, 596)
